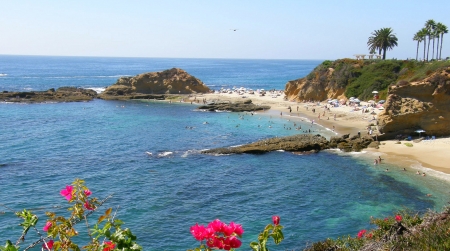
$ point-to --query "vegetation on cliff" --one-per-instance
(405, 230)
(358, 78)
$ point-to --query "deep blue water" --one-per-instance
(46, 146)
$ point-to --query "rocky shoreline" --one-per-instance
(300, 143)
(62, 94)
(243, 106)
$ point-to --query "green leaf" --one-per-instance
(254, 246)
(9, 247)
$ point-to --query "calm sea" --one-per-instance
(46, 146)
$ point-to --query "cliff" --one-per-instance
(173, 81)
(320, 87)
(418, 105)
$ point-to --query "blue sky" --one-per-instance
(278, 29)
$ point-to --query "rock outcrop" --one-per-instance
(419, 105)
(62, 94)
(173, 81)
(243, 106)
(298, 143)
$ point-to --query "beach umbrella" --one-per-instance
(374, 92)
(356, 100)
(419, 131)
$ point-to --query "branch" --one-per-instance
(74, 222)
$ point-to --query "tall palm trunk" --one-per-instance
(442, 41)
(437, 48)
(432, 54)
(424, 47)
(428, 50)
(417, 52)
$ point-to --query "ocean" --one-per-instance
(159, 196)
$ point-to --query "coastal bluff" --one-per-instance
(299, 143)
(424, 105)
(62, 94)
(155, 85)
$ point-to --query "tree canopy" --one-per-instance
(382, 40)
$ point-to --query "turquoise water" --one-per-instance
(46, 146)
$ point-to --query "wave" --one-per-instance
(164, 154)
(97, 89)
(3, 74)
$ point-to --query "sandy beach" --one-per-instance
(432, 154)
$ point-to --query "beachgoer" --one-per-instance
(387, 170)
(423, 174)
(418, 173)
(379, 158)
(359, 134)
(404, 169)
(375, 162)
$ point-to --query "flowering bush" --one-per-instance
(106, 234)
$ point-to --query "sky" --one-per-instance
(266, 29)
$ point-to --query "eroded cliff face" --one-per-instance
(173, 81)
(319, 88)
(420, 105)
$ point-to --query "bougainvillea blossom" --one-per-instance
(47, 226)
(67, 193)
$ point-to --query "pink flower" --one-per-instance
(276, 220)
(87, 192)
(47, 226)
(361, 233)
(238, 229)
(217, 225)
(198, 231)
(109, 245)
(234, 242)
(67, 192)
(88, 206)
(398, 218)
(49, 245)
(228, 230)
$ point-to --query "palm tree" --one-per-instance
(382, 39)
(441, 29)
(429, 25)
(417, 37)
(373, 44)
(423, 34)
